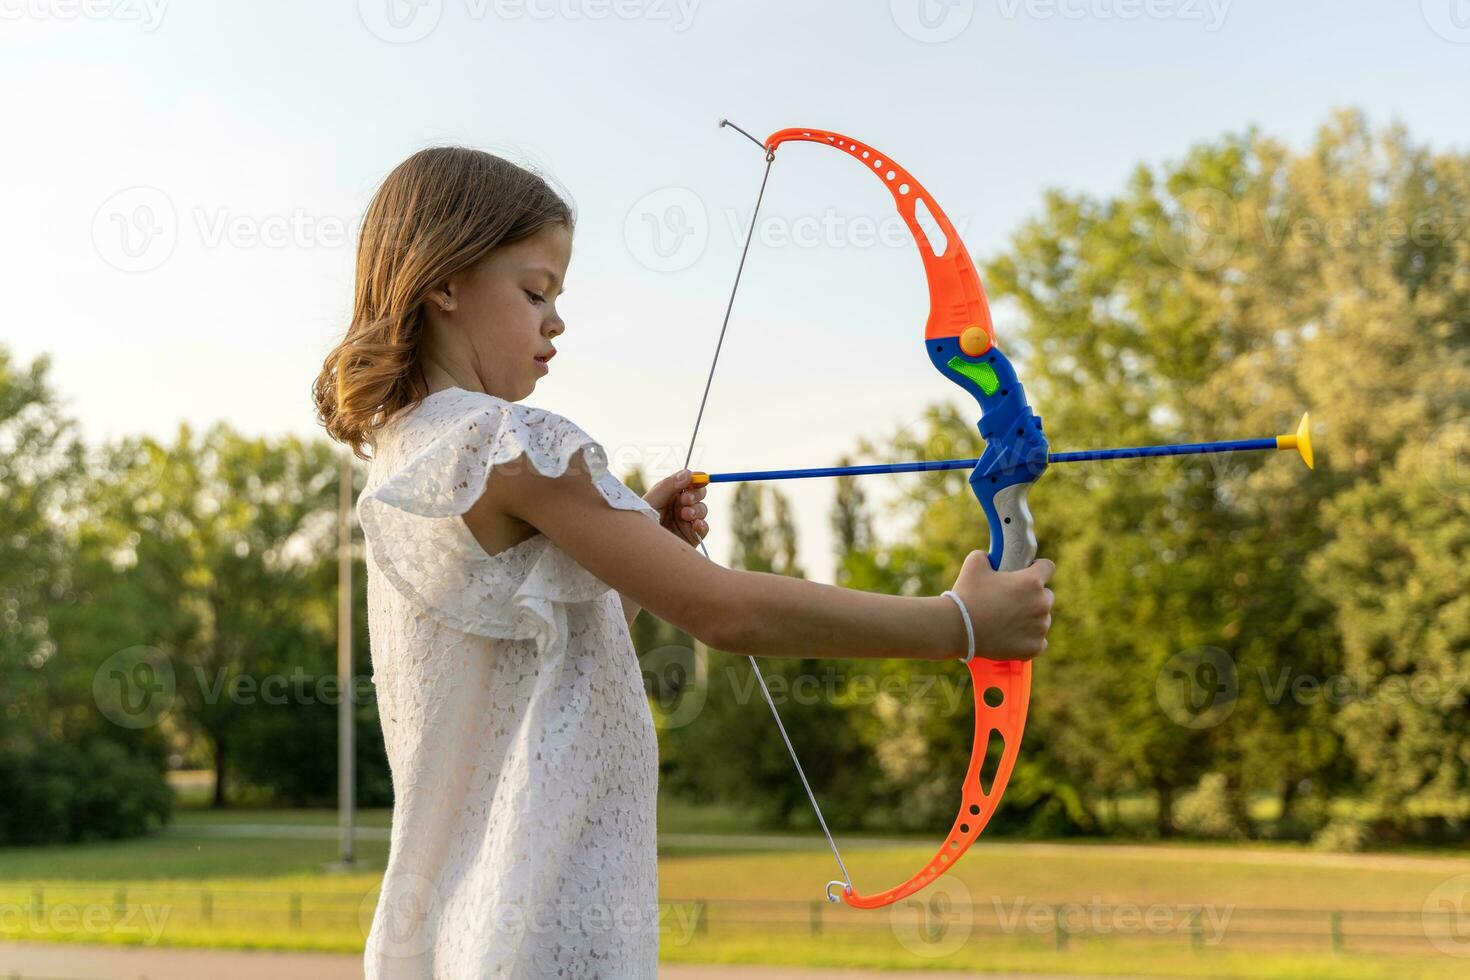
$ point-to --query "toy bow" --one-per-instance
(959, 339)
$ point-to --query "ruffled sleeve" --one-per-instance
(412, 521)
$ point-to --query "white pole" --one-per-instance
(346, 795)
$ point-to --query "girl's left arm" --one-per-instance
(681, 510)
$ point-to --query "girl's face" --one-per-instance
(502, 315)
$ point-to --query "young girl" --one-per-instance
(505, 564)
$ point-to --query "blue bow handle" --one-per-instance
(1016, 450)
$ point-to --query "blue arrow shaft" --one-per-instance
(1087, 455)
(1177, 449)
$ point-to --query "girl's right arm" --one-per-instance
(760, 613)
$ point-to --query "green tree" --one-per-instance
(66, 773)
(223, 548)
(1213, 297)
(42, 463)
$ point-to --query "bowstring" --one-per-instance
(699, 418)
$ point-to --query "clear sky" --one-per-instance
(181, 182)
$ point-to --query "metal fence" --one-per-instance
(1064, 926)
(42, 911)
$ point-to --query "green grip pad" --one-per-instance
(982, 374)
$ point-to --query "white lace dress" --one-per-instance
(520, 740)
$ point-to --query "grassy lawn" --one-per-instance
(1260, 911)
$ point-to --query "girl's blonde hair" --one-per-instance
(439, 212)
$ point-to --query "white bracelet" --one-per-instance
(969, 629)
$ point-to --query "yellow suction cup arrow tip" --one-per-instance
(1304, 439)
(1301, 440)
(698, 479)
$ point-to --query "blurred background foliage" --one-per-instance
(1214, 297)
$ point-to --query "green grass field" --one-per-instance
(1207, 910)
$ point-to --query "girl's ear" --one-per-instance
(440, 297)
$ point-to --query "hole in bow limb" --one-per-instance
(930, 227)
(995, 748)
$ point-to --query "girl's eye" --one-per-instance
(535, 297)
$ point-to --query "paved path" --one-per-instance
(65, 961)
(74, 961)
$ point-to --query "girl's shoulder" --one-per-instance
(446, 407)
(431, 465)
(434, 457)
(471, 432)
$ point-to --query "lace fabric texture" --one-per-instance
(521, 745)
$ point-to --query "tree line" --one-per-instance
(1240, 649)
